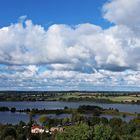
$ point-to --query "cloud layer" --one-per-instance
(124, 12)
(73, 56)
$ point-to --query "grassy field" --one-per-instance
(124, 98)
(115, 98)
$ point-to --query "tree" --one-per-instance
(102, 132)
(115, 122)
(77, 117)
(77, 132)
(95, 120)
(21, 137)
(43, 120)
(104, 120)
(35, 137)
(65, 121)
(137, 133)
(9, 132)
(13, 109)
(9, 138)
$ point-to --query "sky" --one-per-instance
(70, 45)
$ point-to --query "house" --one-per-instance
(38, 129)
(54, 129)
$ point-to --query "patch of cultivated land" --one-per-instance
(127, 98)
(124, 98)
(115, 98)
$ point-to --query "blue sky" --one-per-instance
(46, 12)
(69, 45)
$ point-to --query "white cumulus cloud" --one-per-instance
(68, 55)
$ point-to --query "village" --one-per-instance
(40, 129)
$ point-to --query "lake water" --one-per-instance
(60, 105)
(14, 118)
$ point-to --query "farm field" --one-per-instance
(113, 98)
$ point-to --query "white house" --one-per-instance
(37, 129)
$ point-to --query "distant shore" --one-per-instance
(72, 96)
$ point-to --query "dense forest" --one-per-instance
(77, 128)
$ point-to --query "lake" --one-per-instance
(14, 118)
(132, 108)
